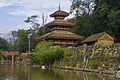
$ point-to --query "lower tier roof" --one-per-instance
(61, 34)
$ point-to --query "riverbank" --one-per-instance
(111, 72)
(108, 72)
(74, 69)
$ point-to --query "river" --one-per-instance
(23, 72)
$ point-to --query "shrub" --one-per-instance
(44, 54)
(94, 64)
(68, 52)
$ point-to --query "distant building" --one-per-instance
(60, 34)
(99, 38)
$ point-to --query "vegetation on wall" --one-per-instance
(93, 57)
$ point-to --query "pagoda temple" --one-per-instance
(60, 34)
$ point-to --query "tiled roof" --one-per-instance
(62, 34)
(94, 37)
(59, 13)
(60, 23)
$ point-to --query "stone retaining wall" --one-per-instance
(110, 50)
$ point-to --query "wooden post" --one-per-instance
(12, 58)
(12, 65)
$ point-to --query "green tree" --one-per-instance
(44, 54)
(83, 26)
(3, 44)
(82, 7)
(33, 20)
(12, 42)
(114, 22)
(104, 18)
(107, 16)
(22, 41)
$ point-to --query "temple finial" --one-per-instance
(59, 7)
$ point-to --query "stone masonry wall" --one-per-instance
(109, 50)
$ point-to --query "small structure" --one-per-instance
(12, 54)
(60, 34)
(100, 38)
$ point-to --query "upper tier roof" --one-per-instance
(59, 13)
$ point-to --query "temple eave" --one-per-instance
(58, 37)
(52, 24)
(59, 13)
(62, 43)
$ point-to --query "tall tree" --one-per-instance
(22, 41)
(83, 25)
(13, 40)
(107, 16)
(3, 44)
(33, 20)
(83, 10)
(82, 7)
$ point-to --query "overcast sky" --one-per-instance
(14, 12)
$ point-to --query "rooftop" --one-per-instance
(60, 23)
(61, 34)
(59, 13)
(94, 37)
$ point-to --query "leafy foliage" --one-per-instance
(68, 52)
(22, 41)
(105, 17)
(82, 7)
(3, 44)
(84, 25)
(44, 54)
(94, 64)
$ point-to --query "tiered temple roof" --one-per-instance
(59, 13)
(60, 33)
(60, 23)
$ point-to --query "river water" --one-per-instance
(23, 72)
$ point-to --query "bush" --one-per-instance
(68, 52)
(94, 64)
(44, 54)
